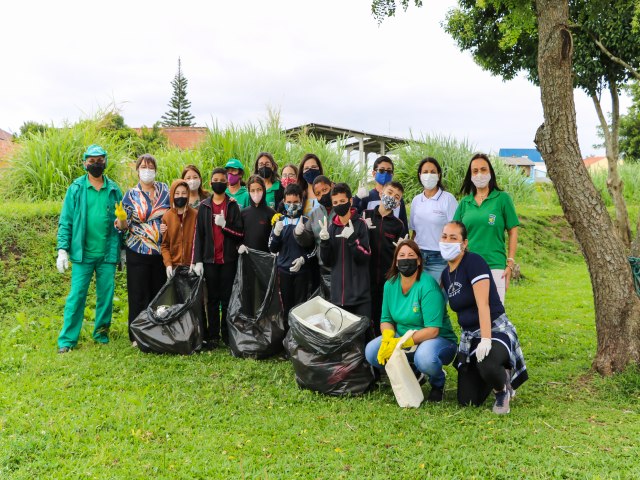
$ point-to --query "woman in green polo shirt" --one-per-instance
(412, 300)
(487, 212)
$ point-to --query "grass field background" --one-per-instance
(114, 412)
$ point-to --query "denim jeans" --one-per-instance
(433, 263)
(428, 358)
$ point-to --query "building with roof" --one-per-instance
(597, 163)
(183, 137)
(7, 147)
(530, 153)
(529, 160)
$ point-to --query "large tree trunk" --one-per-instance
(616, 305)
(612, 147)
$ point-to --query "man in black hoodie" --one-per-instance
(344, 247)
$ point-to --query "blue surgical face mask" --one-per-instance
(383, 178)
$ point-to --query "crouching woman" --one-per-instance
(412, 300)
(489, 356)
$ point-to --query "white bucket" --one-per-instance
(340, 319)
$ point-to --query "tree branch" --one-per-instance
(613, 58)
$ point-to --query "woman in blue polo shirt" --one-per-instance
(430, 210)
(487, 212)
(489, 355)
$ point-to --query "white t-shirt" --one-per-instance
(429, 216)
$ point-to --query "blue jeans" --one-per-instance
(428, 358)
(433, 263)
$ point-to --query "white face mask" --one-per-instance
(481, 180)
(429, 180)
(450, 251)
(147, 175)
(256, 197)
(193, 184)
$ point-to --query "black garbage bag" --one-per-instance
(172, 323)
(330, 365)
(254, 318)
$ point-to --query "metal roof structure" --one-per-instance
(530, 153)
(354, 140)
(518, 161)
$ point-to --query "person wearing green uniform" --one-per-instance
(267, 168)
(87, 236)
(412, 300)
(486, 211)
(236, 188)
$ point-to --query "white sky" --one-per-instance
(317, 61)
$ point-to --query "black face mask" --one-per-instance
(96, 169)
(265, 172)
(342, 209)
(408, 266)
(180, 201)
(325, 200)
(218, 187)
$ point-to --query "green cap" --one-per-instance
(234, 163)
(94, 151)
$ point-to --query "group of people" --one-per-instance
(359, 245)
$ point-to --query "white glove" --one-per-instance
(362, 192)
(401, 239)
(483, 349)
(219, 220)
(169, 272)
(346, 231)
(299, 227)
(198, 269)
(324, 230)
(242, 249)
(62, 263)
(296, 265)
(123, 258)
(369, 223)
(277, 228)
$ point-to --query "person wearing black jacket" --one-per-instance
(256, 218)
(385, 230)
(293, 255)
(344, 247)
(218, 233)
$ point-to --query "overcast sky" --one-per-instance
(317, 61)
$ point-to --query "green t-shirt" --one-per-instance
(98, 224)
(486, 225)
(422, 306)
(270, 197)
(241, 196)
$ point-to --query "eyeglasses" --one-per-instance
(289, 175)
(383, 171)
(264, 164)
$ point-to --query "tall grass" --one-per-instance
(630, 174)
(453, 156)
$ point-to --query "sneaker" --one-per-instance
(501, 406)
(134, 344)
(512, 392)
(64, 350)
(436, 394)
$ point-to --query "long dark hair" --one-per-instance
(201, 191)
(438, 168)
(393, 272)
(468, 186)
(274, 166)
(301, 181)
(260, 181)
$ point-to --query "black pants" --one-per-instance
(363, 310)
(376, 308)
(146, 274)
(477, 380)
(219, 279)
(293, 290)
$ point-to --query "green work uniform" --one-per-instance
(422, 306)
(241, 197)
(270, 196)
(486, 225)
(86, 231)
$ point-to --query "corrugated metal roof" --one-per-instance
(530, 153)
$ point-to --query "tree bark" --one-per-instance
(617, 307)
(612, 147)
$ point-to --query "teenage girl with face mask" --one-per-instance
(235, 186)
(487, 212)
(310, 168)
(191, 174)
(430, 211)
(267, 168)
(413, 301)
(145, 205)
(256, 218)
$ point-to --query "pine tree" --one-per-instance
(178, 114)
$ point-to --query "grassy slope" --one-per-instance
(113, 412)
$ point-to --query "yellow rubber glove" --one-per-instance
(120, 213)
(275, 218)
(387, 346)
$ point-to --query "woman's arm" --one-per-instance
(511, 254)
(481, 294)
(425, 334)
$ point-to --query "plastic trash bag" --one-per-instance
(254, 318)
(172, 323)
(332, 362)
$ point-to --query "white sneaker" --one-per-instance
(134, 344)
(501, 406)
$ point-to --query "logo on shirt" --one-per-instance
(454, 289)
(416, 307)
(492, 219)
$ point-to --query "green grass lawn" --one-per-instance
(113, 412)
